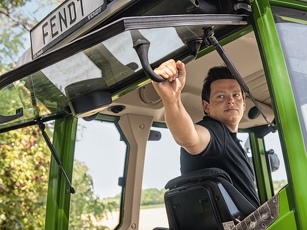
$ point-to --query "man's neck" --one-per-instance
(233, 127)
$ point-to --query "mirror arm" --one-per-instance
(4, 119)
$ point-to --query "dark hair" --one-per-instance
(215, 73)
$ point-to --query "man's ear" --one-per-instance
(206, 106)
(244, 106)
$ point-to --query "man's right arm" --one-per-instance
(193, 138)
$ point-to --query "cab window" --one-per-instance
(275, 161)
(161, 165)
(24, 173)
(98, 166)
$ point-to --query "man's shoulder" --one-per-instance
(208, 120)
(211, 124)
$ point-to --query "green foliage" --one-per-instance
(17, 18)
(13, 26)
(24, 165)
(11, 43)
(7, 4)
(24, 155)
(149, 197)
(152, 196)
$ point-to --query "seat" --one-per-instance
(204, 199)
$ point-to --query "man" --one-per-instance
(212, 142)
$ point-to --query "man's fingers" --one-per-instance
(163, 73)
(167, 70)
(180, 66)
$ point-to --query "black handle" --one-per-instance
(142, 45)
(19, 113)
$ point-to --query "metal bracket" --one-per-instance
(262, 218)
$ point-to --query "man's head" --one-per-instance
(215, 73)
(223, 98)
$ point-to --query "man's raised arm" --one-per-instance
(193, 138)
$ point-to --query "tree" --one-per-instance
(17, 17)
(24, 167)
(152, 196)
(24, 164)
(86, 209)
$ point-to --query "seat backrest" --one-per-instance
(204, 199)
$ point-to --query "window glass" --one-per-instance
(99, 163)
(290, 22)
(24, 170)
(276, 161)
(245, 143)
(162, 163)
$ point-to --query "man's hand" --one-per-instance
(174, 74)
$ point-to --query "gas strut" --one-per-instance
(211, 40)
(41, 126)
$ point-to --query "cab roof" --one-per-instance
(99, 70)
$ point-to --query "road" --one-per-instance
(149, 219)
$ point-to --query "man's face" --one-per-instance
(226, 103)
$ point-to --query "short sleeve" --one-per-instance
(216, 147)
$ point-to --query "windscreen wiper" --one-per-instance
(209, 40)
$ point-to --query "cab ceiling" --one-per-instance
(244, 54)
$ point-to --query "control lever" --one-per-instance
(209, 40)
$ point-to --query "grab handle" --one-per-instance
(141, 46)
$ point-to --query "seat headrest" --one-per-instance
(196, 176)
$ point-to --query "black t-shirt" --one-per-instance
(225, 152)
